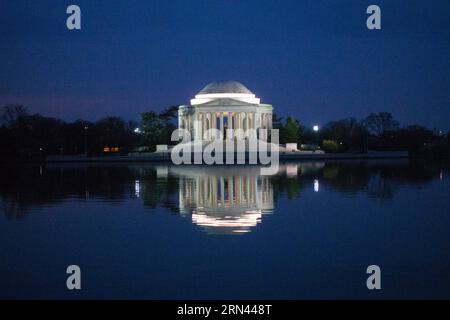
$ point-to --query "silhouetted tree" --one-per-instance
(379, 123)
(111, 132)
(290, 131)
(348, 133)
(158, 128)
(10, 114)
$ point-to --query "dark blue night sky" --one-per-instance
(315, 60)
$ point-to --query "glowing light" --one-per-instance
(316, 185)
(244, 97)
(316, 127)
(137, 188)
(239, 224)
(137, 130)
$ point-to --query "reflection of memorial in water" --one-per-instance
(163, 186)
(228, 200)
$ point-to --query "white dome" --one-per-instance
(225, 87)
(225, 90)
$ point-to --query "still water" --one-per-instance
(157, 231)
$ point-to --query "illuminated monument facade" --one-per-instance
(224, 105)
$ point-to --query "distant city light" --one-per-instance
(316, 127)
(137, 188)
(137, 130)
(316, 185)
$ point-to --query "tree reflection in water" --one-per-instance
(221, 199)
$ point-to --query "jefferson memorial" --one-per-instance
(226, 106)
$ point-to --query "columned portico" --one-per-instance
(225, 105)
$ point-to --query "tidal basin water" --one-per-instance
(155, 231)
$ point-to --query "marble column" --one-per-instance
(205, 129)
(246, 121)
(204, 126)
(188, 124)
(221, 125)
(210, 124)
(194, 126)
(232, 125)
(238, 122)
(200, 126)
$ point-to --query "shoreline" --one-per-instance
(165, 157)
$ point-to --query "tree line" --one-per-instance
(25, 135)
(378, 131)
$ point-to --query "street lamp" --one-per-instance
(316, 135)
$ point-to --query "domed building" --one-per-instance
(224, 105)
